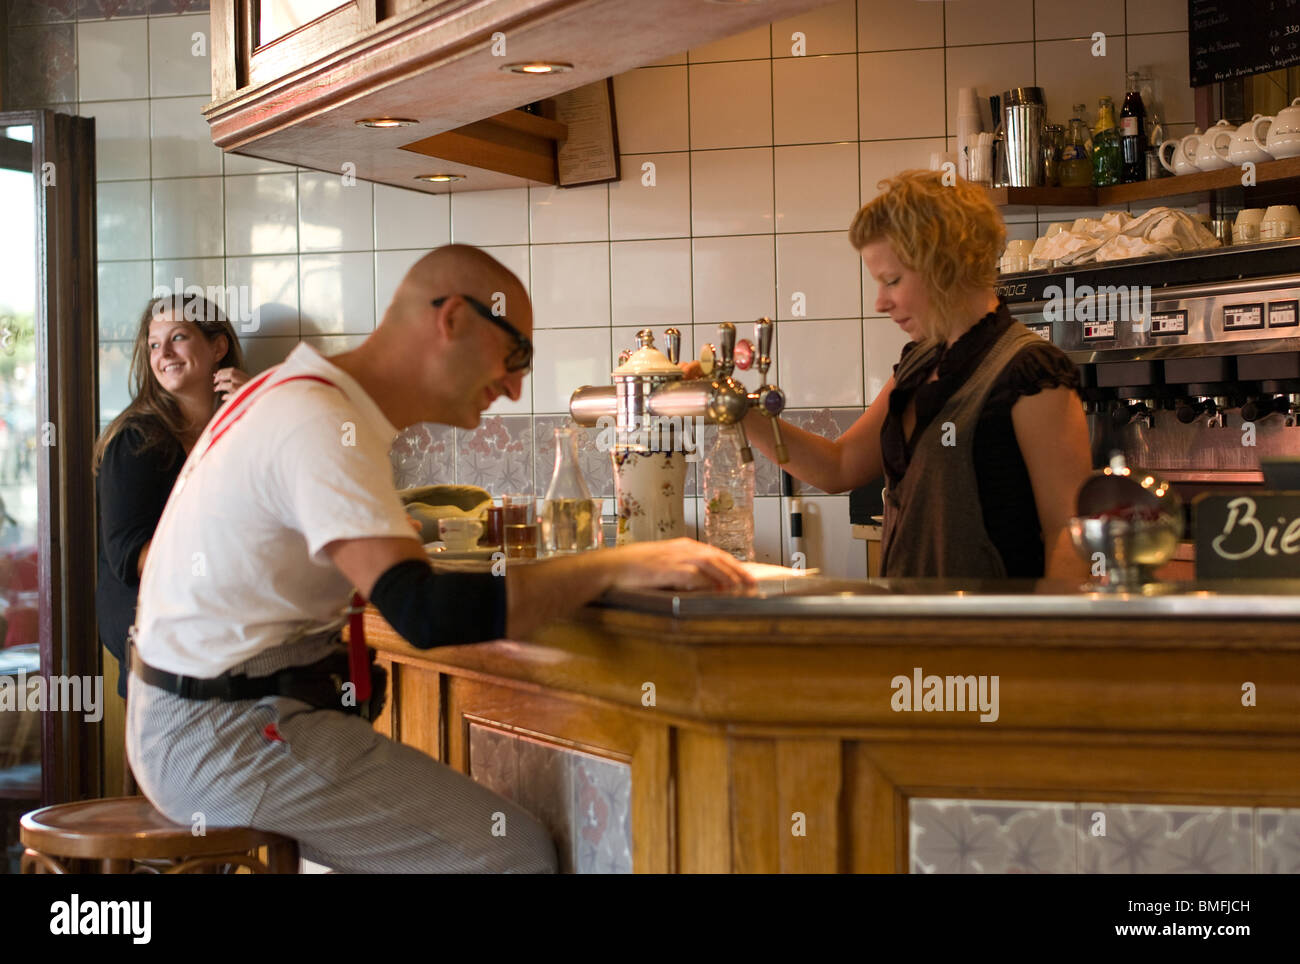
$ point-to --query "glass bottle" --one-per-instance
(568, 523)
(1075, 169)
(1133, 133)
(1107, 159)
(729, 496)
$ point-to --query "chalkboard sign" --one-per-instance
(1232, 38)
(1248, 536)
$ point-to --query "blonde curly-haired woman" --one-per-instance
(980, 435)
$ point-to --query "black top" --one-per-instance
(131, 489)
(1005, 493)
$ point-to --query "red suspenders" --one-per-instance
(235, 409)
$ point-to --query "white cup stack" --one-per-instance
(968, 124)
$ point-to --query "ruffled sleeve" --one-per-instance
(1035, 368)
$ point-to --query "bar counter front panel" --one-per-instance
(663, 732)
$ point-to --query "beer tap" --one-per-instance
(728, 402)
(1136, 410)
(672, 344)
(769, 399)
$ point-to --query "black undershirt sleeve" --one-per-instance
(441, 608)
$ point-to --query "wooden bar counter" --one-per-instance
(701, 733)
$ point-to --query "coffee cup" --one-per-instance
(1246, 228)
(1280, 221)
(460, 534)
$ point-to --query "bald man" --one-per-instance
(238, 715)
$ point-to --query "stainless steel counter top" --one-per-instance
(955, 599)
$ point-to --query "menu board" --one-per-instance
(1247, 536)
(590, 153)
(1229, 38)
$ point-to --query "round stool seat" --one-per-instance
(129, 828)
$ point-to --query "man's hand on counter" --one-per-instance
(538, 594)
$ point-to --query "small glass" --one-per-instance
(521, 541)
(519, 510)
(493, 523)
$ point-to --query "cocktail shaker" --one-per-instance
(1024, 112)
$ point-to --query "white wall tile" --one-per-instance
(390, 268)
(731, 104)
(1156, 16)
(884, 159)
(650, 282)
(570, 285)
(660, 210)
(174, 70)
(337, 293)
(731, 192)
(241, 164)
(753, 43)
(181, 143)
(113, 60)
(114, 379)
(124, 290)
(988, 21)
(815, 99)
(767, 530)
(890, 25)
(1163, 57)
(1056, 20)
(734, 278)
(828, 537)
(122, 220)
(333, 216)
(1069, 75)
(821, 363)
(203, 272)
(261, 214)
(882, 345)
(816, 187)
(829, 29)
(569, 213)
(990, 70)
(273, 290)
(121, 138)
(823, 269)
(262, 353)
(567, 359)
(900, 94)
(652, 110)
(490, 217)
(187, 218)
(410, 219)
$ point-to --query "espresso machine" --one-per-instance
(651, 409)
(1190, 366)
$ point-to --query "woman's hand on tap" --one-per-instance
(692, 368)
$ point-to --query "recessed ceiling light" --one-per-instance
(537, 67)
(383, 122)
(440, 178)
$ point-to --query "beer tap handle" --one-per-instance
(672, 344)
(782, 453)
(623, 356)
(726, 349)
(763, 335)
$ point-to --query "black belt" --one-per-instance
(223, 687)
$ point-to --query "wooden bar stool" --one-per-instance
(120, 832)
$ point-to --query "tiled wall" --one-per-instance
(760, 160)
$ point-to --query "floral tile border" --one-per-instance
(498, 455)
(829, 423)
(424, 454)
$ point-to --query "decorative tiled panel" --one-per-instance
(424, 454)
(498, 455)
(829, 423)
(585, 801)
(596, 465)
(982, 836)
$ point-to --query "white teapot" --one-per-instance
(1181, 159)
(1248, 142)
(1211, 150)
(1284, 134)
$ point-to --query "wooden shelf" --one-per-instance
(1184, 184)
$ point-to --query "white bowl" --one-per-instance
(460, 534)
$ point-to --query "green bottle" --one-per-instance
(1107, 156)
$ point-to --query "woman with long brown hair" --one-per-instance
(185, 363)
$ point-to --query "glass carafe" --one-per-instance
(568, 514)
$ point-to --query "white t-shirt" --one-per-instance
(236, 564)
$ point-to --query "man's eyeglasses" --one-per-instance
(521, 356)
